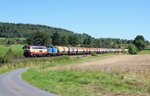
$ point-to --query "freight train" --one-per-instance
(35, 51)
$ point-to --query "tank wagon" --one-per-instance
(32, 51)
(60, 50)
(80, 50)
(72, 50)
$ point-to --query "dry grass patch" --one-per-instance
(137, 64)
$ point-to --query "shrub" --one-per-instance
(1, 60)
(93, 54)
(65, 57)
(10, 41)
(7, 57)
(132, 49)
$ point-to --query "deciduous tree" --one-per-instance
(56, 39)
(39, 38)
(139, 42)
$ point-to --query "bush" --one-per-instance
(7, 57)
(2, 60)
(93, 54)
(132, 49)
(10, 41)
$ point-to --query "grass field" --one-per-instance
(145, 51)
(95, 77)
(16, 49)
(82, 83)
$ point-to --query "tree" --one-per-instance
(64, 41)
(139, 42)
(39, 38)
(28, 41)
(132, 49)
(87, 41)
(56, 39)
(73, 40)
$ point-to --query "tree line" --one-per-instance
(45, 35)
(79, 40)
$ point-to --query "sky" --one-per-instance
(99, 18)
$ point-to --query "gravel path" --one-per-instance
(12, 85)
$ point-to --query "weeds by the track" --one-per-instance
(48, 62)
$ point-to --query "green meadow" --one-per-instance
(146, 51)
(16, 50)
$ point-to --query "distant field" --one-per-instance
(145, 51)
(123, 75)
(16, 49)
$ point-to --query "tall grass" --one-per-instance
(45, 63)
(83, 83)
(93, 54)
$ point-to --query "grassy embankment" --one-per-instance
(66, 82)
(37, 62)
(16, 49)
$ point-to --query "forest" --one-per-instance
(12, 33)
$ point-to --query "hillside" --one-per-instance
(13, 30)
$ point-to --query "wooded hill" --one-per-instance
(58, 36)
(20, 30)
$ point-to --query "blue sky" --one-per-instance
(98, 18)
